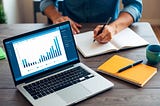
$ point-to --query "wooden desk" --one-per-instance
(123, 93)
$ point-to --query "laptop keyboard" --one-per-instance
(57, 82)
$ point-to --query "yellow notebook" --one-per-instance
(138, 75)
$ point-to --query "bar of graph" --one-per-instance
(52, 53)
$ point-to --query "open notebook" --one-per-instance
(123, 40)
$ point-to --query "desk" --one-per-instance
(123, 93)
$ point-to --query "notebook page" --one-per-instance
(85, 44)
(127, 39)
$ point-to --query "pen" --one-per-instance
(100, 31)
(129, 66)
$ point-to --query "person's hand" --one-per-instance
(75, 26)
(106, 34)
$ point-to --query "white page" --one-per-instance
(85, 44)
(127, 39)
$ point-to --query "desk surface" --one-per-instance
(123, 93)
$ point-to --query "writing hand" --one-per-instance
(75, 26)
(106, 34)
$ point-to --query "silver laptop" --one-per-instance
(46, 68)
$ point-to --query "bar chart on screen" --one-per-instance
(52, 53)
(39, 52)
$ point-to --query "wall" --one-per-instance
(27, 7)
(22, 11)
(151, 11)
(12, 11)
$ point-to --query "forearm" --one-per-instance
(56, 17)
(52, 13)
(124, 20)
(131, 12)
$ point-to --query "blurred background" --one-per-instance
(23, 11)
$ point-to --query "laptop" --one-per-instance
(46, 68)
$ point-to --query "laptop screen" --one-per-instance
(41, 50)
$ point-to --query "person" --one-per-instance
(93, 11)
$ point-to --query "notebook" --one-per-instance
(2, 54)
(123, 40)
(46, 68)
(138, 75)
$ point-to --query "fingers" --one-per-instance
(103, 37)
(96, 30)
(75, 26)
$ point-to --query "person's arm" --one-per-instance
(52, 13)
(131, 13)
(55, 16)
(123, 21)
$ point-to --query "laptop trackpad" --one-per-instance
(74, 93)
